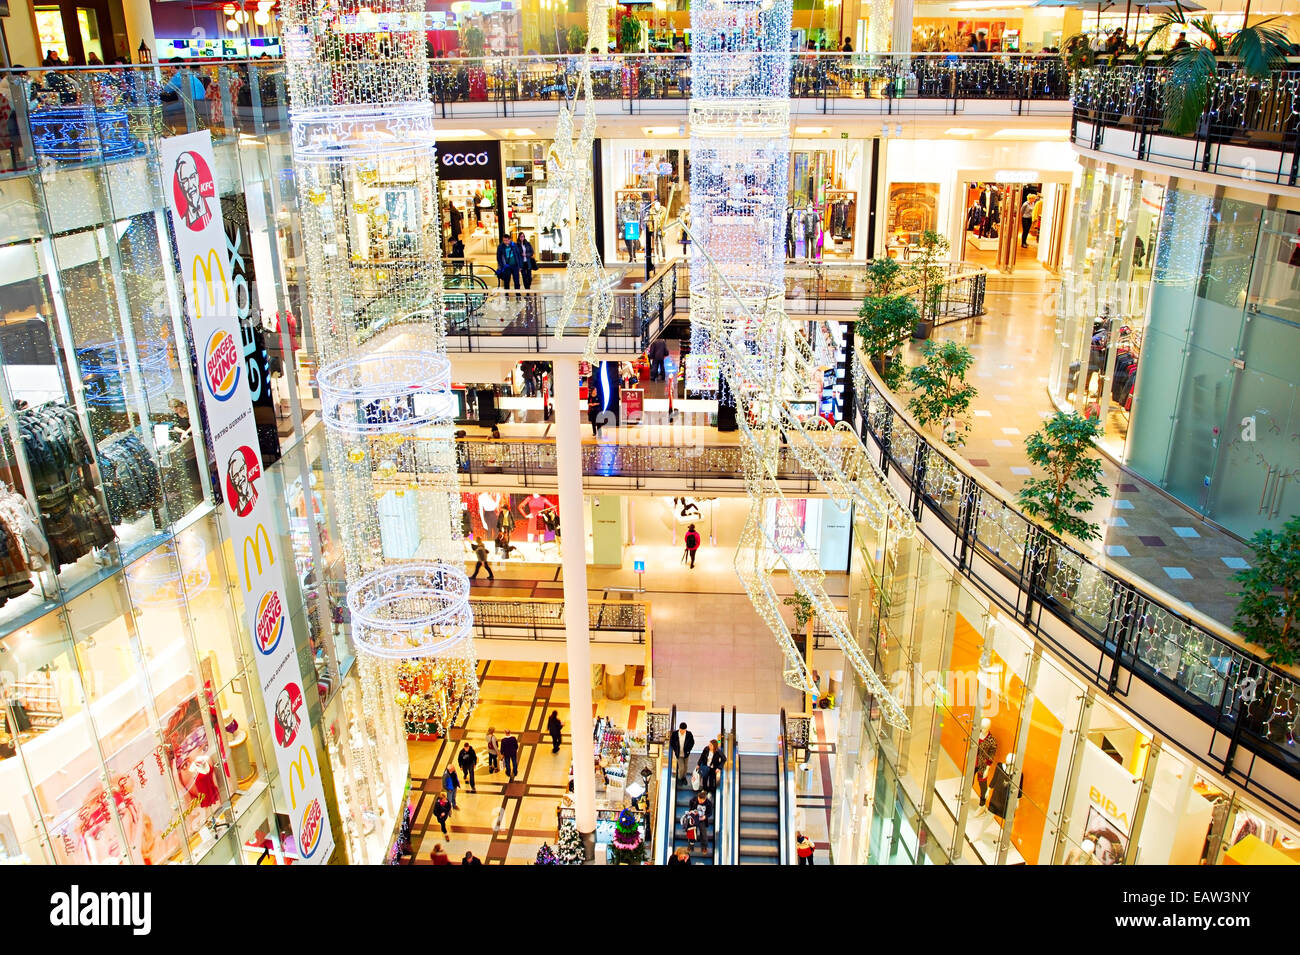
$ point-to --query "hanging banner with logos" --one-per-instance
(213, 313)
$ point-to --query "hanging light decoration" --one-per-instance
(364, 154)
(740, 147)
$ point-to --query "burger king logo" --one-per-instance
(270, 622)
(310, 829)
(221, 364)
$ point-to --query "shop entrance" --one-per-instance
(470, 199)
(1013, 226)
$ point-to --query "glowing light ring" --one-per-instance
(106, 368)
(167, 577)
(410, 611)
(417, 386)
(333, 133)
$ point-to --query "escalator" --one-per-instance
(758, 834)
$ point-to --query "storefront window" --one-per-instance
(544, 213)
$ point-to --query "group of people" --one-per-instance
(515, 261)
(503, 752)
(698, 818)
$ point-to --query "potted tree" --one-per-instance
(940, 393)
(927, 275)
(1257, 50)
(577, 39)
(1064, 449)
(886, 320)
(1269, 611)
(629, 34)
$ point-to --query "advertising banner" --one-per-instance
(212, 307)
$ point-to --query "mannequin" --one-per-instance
(1000, 788)
(488, 503)
(986, 753)
(659, 218)
(532, 508)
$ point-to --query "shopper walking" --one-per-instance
(493, 751)
(692, 541)
(657, 353)
(442, 812)
(555, 728)
(481, 552)
(450, 783)
(468, 759)
(509, 265)
(510, 753)
(805, 848)
(437, 856)
(1026, 220)
(471, 859)
(680, 745)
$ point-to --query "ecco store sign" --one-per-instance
(464, 159)
(469, 160)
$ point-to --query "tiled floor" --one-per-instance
(1155, 539)
(506, 822)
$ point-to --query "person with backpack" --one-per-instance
(691, 826)
(804, 848)
(703, 809)
(509, 264)
(692, 541)
(494, 753)
(442, 811)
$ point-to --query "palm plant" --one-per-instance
(1258, 49)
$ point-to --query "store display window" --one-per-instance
(520, 526)
(471, 199)
(822, 210)
(544, 213)
(652, 191)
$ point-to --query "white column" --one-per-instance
(901, 41)
(573, 559)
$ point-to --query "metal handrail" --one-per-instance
(1198, 672)
(785, 806)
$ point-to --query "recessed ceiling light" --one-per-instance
(1029, 133)
(520, 132)
(661, 130)
(811, 130)
(466, 133)
(960, 131)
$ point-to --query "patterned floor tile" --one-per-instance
(1185, 531)
(1178, 573)
(1151, 540)
(1235, 563)
(1116, 550)
(1124, 505)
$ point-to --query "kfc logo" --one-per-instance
(242, 472)
(192, 188)
(288, 714)
(310, 829)
(221, 364)
(270, 622)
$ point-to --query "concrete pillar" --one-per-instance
(573, 560)
(901, 40)
(139, 26)
(615, 681)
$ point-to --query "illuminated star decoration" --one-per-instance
(569, 160)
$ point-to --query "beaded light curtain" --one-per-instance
(740, 146)
(364, 156)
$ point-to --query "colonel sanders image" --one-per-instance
(243, 493)
(288, 705)
(190, 175)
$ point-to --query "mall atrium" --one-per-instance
(728, 432)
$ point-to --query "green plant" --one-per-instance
(577, 39)
(1269, 610)
(1258, 49)
(1064, 449)
(472, 40)
(928, 276)
(886, 319)
(629, 34)
(803, 609)
(940, 393)
(1077, 53)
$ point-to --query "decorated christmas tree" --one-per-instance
(569, 847)
(628, 846)
(546, 856)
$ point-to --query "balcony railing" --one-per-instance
(611, 621)
(1242, 115)
(73, 115)
(1141, 633)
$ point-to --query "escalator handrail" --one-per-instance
(784, 812)
(733, 794)
(668, 798)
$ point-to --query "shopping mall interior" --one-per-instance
(735, 432)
